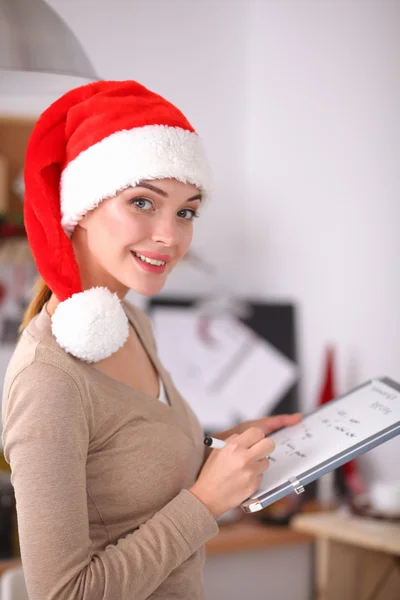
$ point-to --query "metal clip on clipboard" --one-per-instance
(257, 503)
(297, 486)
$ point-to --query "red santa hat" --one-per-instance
(90, 144)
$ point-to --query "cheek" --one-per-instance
(118, 226)
(186, 240)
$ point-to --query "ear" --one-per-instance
(83, 221)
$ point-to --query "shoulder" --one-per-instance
(43, 402)
(36, 356)
(43, 376)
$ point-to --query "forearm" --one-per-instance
(135, 566)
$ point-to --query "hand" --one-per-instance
(232, 474)
(266, 424)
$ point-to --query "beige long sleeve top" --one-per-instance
(101, 473)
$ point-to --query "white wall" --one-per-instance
(322, 145)
(322, 187)
(296, 102)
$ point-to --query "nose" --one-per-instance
(165, 231)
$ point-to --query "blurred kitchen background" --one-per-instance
(297, 104)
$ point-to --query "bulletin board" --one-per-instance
(275, 322)
(14, 136)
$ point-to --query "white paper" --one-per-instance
(334, 428)
(220, 366)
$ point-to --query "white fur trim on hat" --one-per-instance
(125, 158)
(91, 325)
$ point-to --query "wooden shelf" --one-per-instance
(355, 557)
(372, 534)
(9, 563)
(252, 535)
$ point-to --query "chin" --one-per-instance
(146, 289)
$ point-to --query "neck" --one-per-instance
(52, 305)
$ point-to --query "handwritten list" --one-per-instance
(334, 428)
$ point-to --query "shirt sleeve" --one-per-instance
(46, 439)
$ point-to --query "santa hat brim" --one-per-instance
(125, 158)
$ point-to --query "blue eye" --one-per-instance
(188, 214)
(142, 204)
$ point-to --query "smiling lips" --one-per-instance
(151, 261)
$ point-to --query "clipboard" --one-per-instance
(340, 430)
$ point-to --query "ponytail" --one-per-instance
(42, 295)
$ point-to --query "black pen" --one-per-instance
(214, 442)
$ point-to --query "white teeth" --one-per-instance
(157, 263)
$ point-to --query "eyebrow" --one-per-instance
(157, 190)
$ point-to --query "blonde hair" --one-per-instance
(42, 295)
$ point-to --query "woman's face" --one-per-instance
(135, 239)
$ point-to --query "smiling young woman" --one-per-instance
(115, 495)
(148, 228)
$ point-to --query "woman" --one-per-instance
(113, 499)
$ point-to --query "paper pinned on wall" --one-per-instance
(222, 368)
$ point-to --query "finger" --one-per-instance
(232, 438)
(250, 437)
(294, 418)
(262, 465)
(278, 421)
(261, 449)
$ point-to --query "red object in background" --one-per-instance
(328, 387)
(328, 392)
(11, 230)
(3, 292)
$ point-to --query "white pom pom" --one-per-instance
(91, 325)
